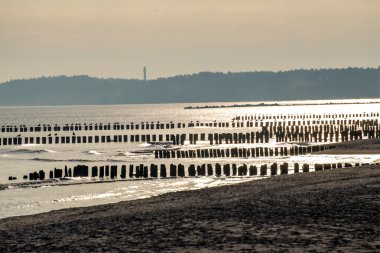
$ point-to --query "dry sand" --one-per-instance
(334, 210)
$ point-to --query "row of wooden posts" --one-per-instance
(213, 138)
(336, 136)
(282, 134)
(239, 152)
(176, 139)
(323, 128)
(93, 127)
(179, 170)
(341, 123)
(236, 122)
(306, 116)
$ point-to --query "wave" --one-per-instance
(92, 152)
(62, 160)
(46, 160)
(31, 151)
(114, 160)
(29, 145)
(82, 160)
(146, 151)
(145, 144)
(121, 154)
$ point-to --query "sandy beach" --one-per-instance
(323, 211)
(190, 126)
(367, 146)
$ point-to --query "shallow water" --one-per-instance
(20, 160)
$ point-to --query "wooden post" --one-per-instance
(263, 170)
(252, 170)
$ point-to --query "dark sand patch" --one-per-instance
(363, 147)
(335, 210)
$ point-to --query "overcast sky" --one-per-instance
(116, 38)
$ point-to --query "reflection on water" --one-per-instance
(25, 201)
(20, 160)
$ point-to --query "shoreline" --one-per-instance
(359, 147)
(273, 104)
(320, 211)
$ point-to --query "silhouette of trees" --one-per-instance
(201, 87)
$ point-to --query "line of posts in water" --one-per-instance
(312, 134)
(238, 121)
(175, 139)
(306, 116)
(179, 170)
(240, 152)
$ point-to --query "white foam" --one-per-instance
(28, 145)
(88, 197)
(94, 152)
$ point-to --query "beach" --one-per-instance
(334, 210)
(190, 126)
(331, 210)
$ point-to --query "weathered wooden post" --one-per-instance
(101, 172)
(94, 171)
(210, 171)
(181, 170)
(163, 171)
(41, 175)
(296, 168)
(113, 171)
(326, 166)
(284, 169)
(201, 170)
(191, 170)
(242, 170)
(218, 170)
(273, 169)
(234, 169)
(318, 167)
(226, 170)
(107, 171)
(145, 172)
(123, 173)
(173, 170)
(252, 170)
(263, 170)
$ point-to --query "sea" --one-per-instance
(16, 161)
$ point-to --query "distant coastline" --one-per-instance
(199, 88)
(273, 104)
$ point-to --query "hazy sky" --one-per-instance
(116, 38)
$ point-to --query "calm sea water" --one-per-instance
(20, 160)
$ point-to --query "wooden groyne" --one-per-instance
(258, 128)
(256, 120)
(321, 134)
(179, 170)
(240, 152)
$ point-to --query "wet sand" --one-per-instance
(367, 147)
(335, 210)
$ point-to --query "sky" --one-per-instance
(116, 38)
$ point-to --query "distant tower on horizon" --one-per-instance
(144, 71)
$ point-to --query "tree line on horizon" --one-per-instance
(200, 87)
